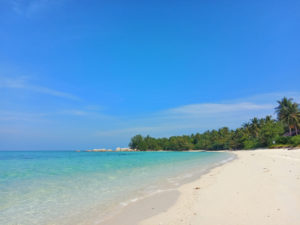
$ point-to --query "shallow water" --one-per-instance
(75, 187)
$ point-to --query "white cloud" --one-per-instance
(214, 108)
(22, 83)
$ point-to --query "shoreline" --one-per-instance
(151, 205)
(258, 187)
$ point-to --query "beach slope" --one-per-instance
(259, 187)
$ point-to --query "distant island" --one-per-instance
(258, 133)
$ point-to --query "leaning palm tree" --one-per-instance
(288, 112)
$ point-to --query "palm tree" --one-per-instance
(288, 112)
(254, 127)
(268, 119)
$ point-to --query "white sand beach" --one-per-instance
(259, 187)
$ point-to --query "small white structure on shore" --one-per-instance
(118, 149)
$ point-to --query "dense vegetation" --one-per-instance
(264, 132)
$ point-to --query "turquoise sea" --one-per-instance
(64, 187)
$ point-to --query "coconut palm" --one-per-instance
(255, 126)
(288, 112)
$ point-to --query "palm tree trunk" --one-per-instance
(296, 129)
(290, 129)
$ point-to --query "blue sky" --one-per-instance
(78, 74)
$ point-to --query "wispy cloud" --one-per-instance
(45, 90)
(7, 115)
(23, 83)
(21, 116)
(199, 117)
(30, 7)
(75, 112)
(215, 108)
(89, 114)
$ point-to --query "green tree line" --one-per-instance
(257, 133)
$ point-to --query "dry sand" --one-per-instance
(260, 187)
